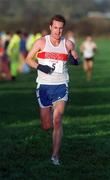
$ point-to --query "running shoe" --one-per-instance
(55, 161)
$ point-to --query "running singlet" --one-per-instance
(88, 49)
(56, 57)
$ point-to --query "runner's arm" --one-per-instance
(30, 59)
(71, 49)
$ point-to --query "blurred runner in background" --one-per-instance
(88, 49)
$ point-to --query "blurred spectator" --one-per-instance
(4, 63)
(38, 35)
(1, 57)
(23, 67)
(13, 52)
(44, 32)
(7, 39)
(30, 41)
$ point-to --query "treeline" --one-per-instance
(93, 26)
(34, 15)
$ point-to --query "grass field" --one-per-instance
(25, 149)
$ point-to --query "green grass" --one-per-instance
(25, 149)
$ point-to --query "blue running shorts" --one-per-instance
(47, 95)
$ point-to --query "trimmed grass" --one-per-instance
(25, 149)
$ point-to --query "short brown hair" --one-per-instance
(58, 17)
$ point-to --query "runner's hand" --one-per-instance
(72, 60)
(45, 68)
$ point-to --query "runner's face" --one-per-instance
(56, 29)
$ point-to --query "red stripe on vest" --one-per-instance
(51, 55)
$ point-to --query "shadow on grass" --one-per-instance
(85, 152)
(21, 106)
(88, 103)
(18, 107)
(89, 98)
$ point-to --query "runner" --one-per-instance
(52, 52)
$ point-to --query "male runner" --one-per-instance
(52, 82)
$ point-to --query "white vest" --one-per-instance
(88, 49)
(54, 56)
